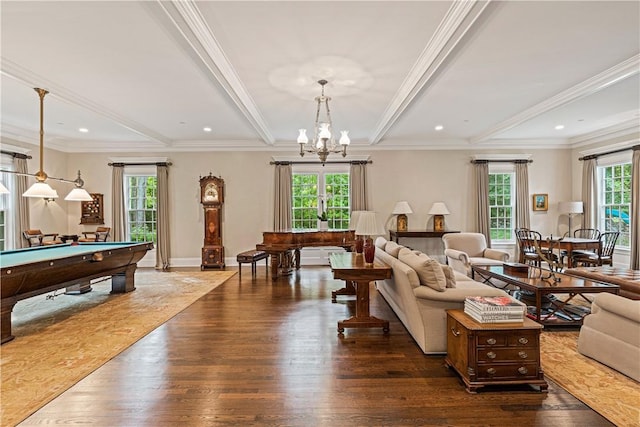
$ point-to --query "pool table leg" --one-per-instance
(5, 322)
(124, 282)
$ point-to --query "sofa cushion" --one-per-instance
(429, 270)
(392, 248)
(450, 275)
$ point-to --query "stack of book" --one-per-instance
(495, 309)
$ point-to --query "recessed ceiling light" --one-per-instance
(206, 129)
(83, 130)
(439, 127)
(559, 127)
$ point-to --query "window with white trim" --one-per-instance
(614, 201)
(502, 206)
(7, 221)
(141, 197)
(315, 189)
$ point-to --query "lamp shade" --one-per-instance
(41, 189)
(401, 208)
(353, 221)
(574, 207)
(368, 224)
(79, 195)
(439, 208)
(3, 189)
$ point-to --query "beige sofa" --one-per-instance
(611, 333)
(466, 249)
(420, 300)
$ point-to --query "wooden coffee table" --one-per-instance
(351, 267)
(560, 312)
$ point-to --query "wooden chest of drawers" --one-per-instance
(494, 353)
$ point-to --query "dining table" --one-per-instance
(570, 244)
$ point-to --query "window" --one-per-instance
(501, 205)
(615, 201)
(313, 191)
(141, 195)
(7, 210)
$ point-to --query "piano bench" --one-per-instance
(253, 257)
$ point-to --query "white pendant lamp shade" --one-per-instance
(79, 195)
(3, 189)
(42, 190)
(344, 137)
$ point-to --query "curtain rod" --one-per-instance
(14, 154)
(595, 156)
(352, 162)
(501, 161)
(141, 164)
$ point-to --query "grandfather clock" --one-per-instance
(212, 198)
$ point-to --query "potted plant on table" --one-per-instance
(323, 219)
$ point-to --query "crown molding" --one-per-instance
(189, 22)
(619, 72)
(602, 135)
(31, 79)
(458, 20)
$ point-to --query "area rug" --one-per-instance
(59, 341)
(608, 392)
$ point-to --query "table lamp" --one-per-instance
(438, 210)
(368, 226)
(353, 223)
(570, 208)
(402, 209)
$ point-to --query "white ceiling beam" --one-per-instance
(188, 20)
(458, 20)
(588, 87)
(31, 79)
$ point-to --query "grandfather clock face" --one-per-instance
(211, 191)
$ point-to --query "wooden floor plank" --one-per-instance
(256, 352)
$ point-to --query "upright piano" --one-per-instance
(281, 244)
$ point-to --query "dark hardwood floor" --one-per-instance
(253, 352)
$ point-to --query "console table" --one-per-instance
(396, 235)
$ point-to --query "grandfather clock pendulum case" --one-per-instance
(212, 198)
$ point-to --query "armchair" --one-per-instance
(466, 249)
(100, 235)
(35, 237)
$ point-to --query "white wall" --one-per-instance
(420, 177)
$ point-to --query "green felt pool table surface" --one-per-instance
(16, 257)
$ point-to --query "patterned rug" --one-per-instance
(608, 392)
(47, 356)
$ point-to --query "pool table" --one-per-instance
(28, 272)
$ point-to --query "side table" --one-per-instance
(494, 353)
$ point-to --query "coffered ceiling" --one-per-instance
(149, 75)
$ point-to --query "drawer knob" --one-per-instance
(491, 371)
(523, 354)
(491, 355)
(491, 341)
(455, 332)
(522, 370)
(523, 340)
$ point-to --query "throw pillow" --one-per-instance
(449, 275)
(392, 248)
(429, 270)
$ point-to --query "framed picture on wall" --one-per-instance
(540, 202)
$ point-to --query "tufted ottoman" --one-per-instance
(628, 280)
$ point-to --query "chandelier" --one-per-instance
(324, 141)
(41, 188)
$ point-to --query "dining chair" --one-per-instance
(581, 233)
(604, 255)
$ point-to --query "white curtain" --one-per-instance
(589, 193)
(118, 208)
(21, 203)
(522, 194)
(358, 186)
(635, 210)
(282, 198)
(163, 251)
(482, 202)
